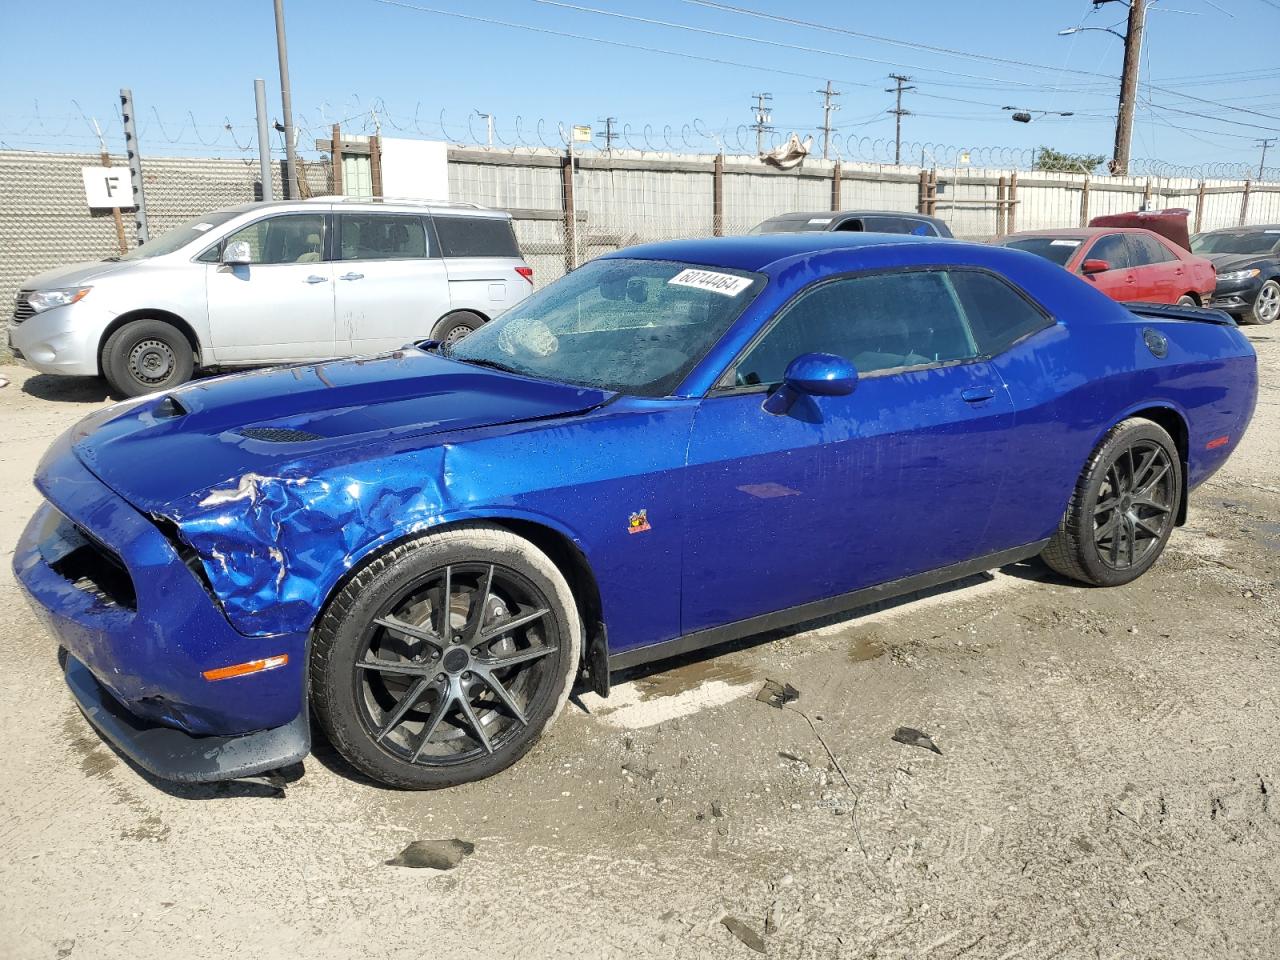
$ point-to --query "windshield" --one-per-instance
(1057, 249)
(1254, 241)
(179, 236)
(632, 326)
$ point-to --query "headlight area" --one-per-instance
(187, 554)
(1235, 276)
(42, 300)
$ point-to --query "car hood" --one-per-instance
(1226, 262)
(76, 274)
(229, 431)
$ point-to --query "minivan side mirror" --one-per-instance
(237, 254)
(813, 375)
(1092, 266)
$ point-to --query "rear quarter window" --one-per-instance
(476, 237)
(998, 315)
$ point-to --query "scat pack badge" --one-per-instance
(639, 522)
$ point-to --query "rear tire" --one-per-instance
(423, 694)
(1266, 306)
(455, 326)
(1123, 509)
(1186, 300)
(146, 355)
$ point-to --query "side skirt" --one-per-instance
(821, 608)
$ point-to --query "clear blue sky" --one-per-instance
(191, 68)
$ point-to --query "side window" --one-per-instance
(292, 238)
(1111, 248)
(919, 228)
(476, 237)
(998, 315)
(877, 322)
(381, 237)
(1144, 250)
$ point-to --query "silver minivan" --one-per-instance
(273, 283)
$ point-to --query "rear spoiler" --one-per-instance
(1169, 311)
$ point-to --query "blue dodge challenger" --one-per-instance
(672, 446)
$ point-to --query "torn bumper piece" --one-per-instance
(172, 754)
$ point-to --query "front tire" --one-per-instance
(1266, 306)
(1123, 509)
(421, 693)
(144, 356)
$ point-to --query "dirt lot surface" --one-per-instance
(1108, 783)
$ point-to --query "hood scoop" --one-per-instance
(279, 435)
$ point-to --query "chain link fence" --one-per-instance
(569, 210)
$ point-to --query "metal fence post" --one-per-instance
(1013, 202)
(1244, 203)
(570, 214)
(335, 160)
(1199, 206)
(835, 187)
(375, 164)
(1002, 191)
(1084, 203)
(922, 193)
(717, 196)
(135, 165)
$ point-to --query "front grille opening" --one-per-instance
(99, 573)
(22, 308)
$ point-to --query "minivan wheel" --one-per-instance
(444, 660)
(145, 356)
(454, 327)
(1123, 509)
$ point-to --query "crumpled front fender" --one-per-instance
(274, 546)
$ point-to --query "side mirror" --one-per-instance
(237, 254)
(813, 375)
(1095, 266)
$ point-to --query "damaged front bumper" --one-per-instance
(141, 630)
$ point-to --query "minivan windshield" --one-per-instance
(631, 326)
(179, 236)
(1250, 241)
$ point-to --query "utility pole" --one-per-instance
(1263, 144)
(607, 133)
(264, 139)
(286, 104)
(827, 107)
(898, 113)
(764, 116)
(135, 165)
(1128, 84)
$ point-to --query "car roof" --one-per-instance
(374, 205)
(1251, 228)
(848, 215)
(1081, 232)
(757, 251)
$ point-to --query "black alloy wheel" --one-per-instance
(449, 670)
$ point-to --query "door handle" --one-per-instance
(977, 394)
(314, 279)
(352, 276)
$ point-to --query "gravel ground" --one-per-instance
(1108, 783)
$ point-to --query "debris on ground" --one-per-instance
(744, 933)
(915, 738)
(717, 809)
(272, 780)
(777, 694)
(435, 854)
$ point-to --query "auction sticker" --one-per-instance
(1064, 243)
(723, 283)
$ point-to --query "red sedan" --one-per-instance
(1126, 263)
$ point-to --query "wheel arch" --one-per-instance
(147, 313)
(556, 543)
(1174, 423)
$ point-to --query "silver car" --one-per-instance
(271, 283)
